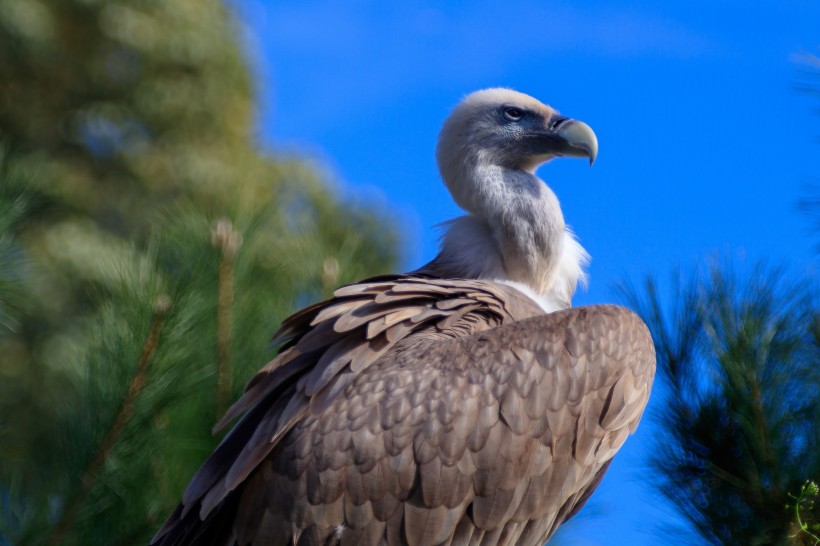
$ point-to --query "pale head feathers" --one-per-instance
(488, 150)
(472, 134)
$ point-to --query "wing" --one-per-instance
(492, 437)
(326, 346)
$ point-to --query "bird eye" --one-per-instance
(513, 114)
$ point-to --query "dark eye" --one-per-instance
(513, 114)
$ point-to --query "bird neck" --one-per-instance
(515, 230)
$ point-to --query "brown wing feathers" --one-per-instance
(468, 433)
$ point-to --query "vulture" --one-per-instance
(464, 403)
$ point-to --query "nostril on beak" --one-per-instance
(557, 121)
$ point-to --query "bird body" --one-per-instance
(464, 403)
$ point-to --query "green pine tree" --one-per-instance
(740, 359)
(148, 250)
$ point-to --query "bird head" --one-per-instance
(504, 128)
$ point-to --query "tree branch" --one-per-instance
(161, 308)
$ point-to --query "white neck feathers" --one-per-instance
(514, 234)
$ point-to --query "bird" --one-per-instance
(464, 403)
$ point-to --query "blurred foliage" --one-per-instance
(147, 252)
(740, 358)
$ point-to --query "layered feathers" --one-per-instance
(455, 425)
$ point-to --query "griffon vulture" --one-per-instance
(463, 403)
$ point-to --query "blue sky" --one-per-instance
(705, 145)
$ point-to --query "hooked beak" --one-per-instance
(580, 139)
(571, 138)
